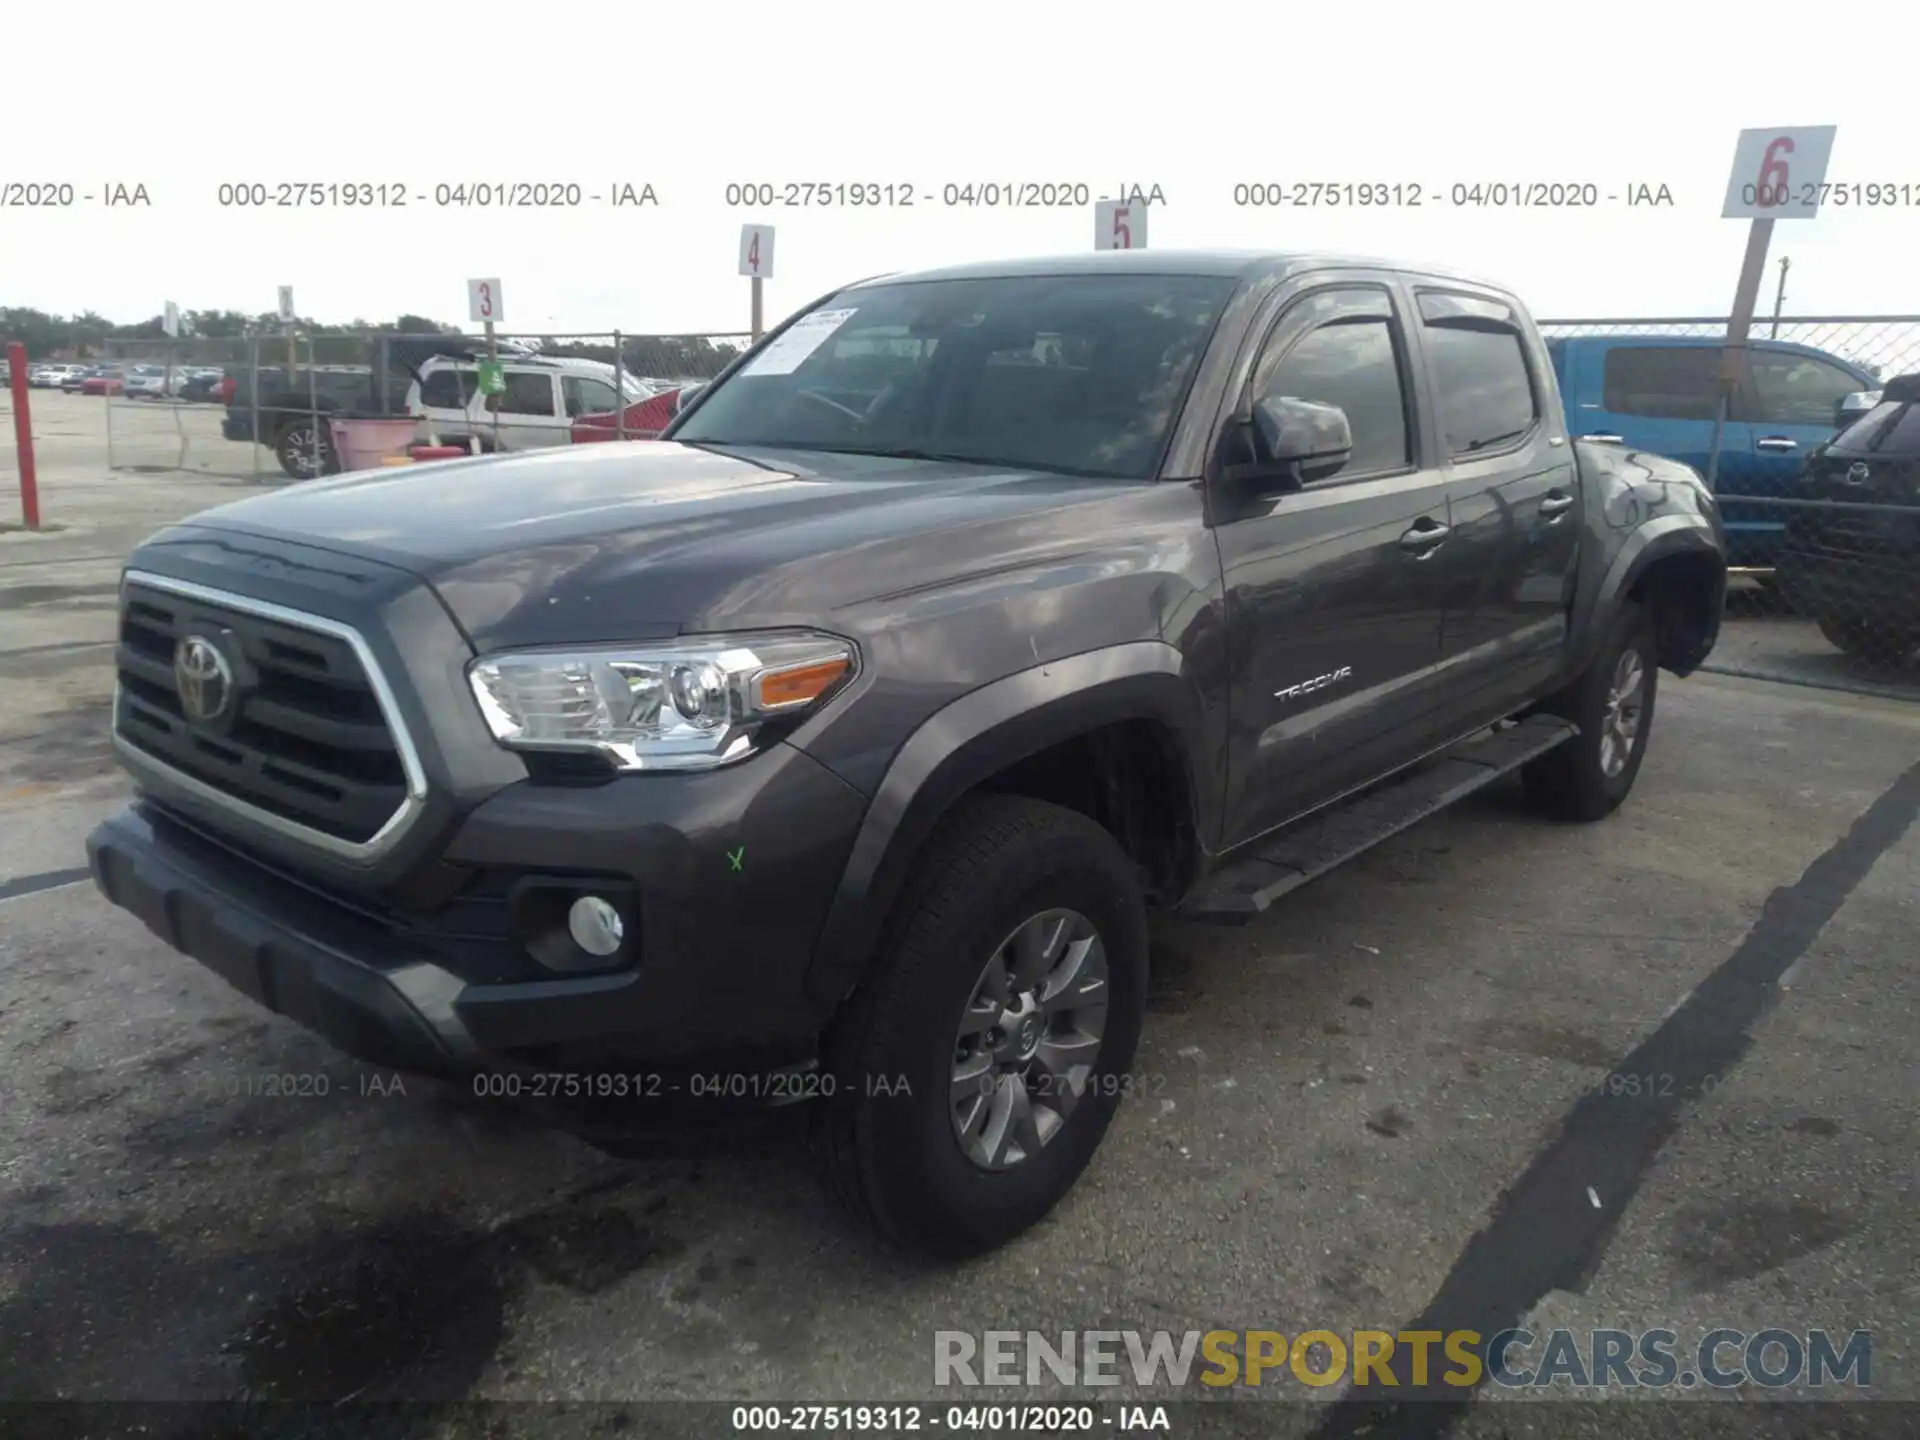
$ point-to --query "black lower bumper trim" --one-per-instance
(357, 1006)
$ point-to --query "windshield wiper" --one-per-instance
(1493, 440)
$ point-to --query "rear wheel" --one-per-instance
(976, 1072)
(305, 450)
(1855, 635)
(1612, 704)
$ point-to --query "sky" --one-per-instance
(1194, 99)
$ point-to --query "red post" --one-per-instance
(23, 435)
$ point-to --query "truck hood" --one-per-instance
(638, 541)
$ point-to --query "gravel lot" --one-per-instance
(1383, 1104)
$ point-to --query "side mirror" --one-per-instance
(1301, 438)
(1853, 406)
(685, 394)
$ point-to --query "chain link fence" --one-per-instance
(1820, 496)
(262, 407)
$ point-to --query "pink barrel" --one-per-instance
(362, 444)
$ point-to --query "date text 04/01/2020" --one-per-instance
(1477, 195)
(951, 194)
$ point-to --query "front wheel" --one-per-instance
(979, 1067)
(1611, 702)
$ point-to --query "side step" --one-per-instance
(1320, 842)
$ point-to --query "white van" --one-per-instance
(543, 397)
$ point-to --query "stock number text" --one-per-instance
(312, 195)
(1872, 193)
(1289, 195)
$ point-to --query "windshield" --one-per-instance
(1082, 374)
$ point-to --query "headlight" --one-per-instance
(682, 705)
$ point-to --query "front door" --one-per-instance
(1790, 403)
(1334, 589)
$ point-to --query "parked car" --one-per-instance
(543, 399)
(152, 382)
(203, 386)
(79, 375)
(1659, 393)
(103, 380)
(282, 417)
(840, 743)
(51, 376)
(643, 419)
(1857, 570)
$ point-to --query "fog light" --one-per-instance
(595, 925)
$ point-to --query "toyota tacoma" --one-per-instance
(845, 738)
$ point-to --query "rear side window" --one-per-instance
(448, 389)
(1481, 382)
(1662, 382)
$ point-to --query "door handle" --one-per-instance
(1604, 439)
(1556, 503)
(1775, 442)
(1424, 538)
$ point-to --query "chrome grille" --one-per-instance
(307, 743)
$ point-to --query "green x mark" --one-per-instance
(737, 857)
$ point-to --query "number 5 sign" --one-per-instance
(1120, 225)
(1779, 174)
(483, 302)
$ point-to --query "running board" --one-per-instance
(1308, 850)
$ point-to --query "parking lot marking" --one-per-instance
(1541, 1238)
(36, 884)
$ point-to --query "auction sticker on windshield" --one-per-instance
(803, 337)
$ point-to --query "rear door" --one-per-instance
(1513, 502)
(446, 400)
(530, 415)
(1334, 598)
(1652, 394)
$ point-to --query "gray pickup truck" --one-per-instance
(838, 746)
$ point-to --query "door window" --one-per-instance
(1481, 382)
(1796, 389)
(1353, 364)
(587, 396)
(448, 389)
(1662, 382)
(529, 392)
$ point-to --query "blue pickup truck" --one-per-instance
(1658, 393)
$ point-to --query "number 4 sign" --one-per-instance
(1779, 174)
(483, 302)
(756, 251)
(1120, 225)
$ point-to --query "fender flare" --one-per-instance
(964, 743)
(1655, 540)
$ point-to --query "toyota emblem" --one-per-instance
(1857, 473)
(203, 677)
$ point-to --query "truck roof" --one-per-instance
(1238, 264)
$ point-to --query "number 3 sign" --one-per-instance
(483, 302)
(1779, 174)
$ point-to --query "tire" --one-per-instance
(999, 868)
(1859, 637)
(1586, 778)
(292, 447)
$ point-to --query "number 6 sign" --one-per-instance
(483, 302)
(1779, 174)
(1120, 225)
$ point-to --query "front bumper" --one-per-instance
(727, 901)
(1880, 586)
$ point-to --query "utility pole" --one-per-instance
(1779, 297)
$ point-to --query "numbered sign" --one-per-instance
(170, 321)
(1119, 225)
(756, 251)
(1779, 174)
(483, 302)
(286, 305)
